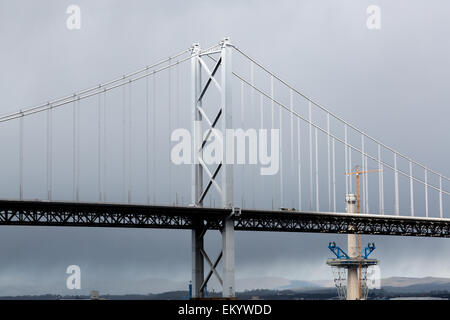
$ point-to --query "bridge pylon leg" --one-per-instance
(200, 119)
(197, 263)
(227, 175)
(228, 287)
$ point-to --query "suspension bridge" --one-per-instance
(102, 157)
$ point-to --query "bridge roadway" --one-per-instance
(67, 214)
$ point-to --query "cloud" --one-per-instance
(392, 83)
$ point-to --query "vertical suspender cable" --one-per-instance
(170, 128)
(129, 143)
(272, 92)
(311, 192)
(252, 103)
(242, 126)
(347, 177)
(317, 170)
(49, 154)
(272, 102)
(441, 208)
(261, 108)
(78, 146)
(147, 171)
(334, 176)
(74, 157)
(104, 148)
(178, 97)
(329, 162)
(411, 188)
(154, 137)
(124, 145)
(178, 108)
(382, 188)
(381, 180)
(99, 151)
(397, 204)
(367, 185)
(77, 112)
(21, 125)
(349, 150)
(291, 102)
(280, 119)
(426, 193)
(363, 175)
(299, 166)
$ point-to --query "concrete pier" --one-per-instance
(352, 273)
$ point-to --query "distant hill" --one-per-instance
(279, 288)
(405, 284)
(273, 283)
(392, 284)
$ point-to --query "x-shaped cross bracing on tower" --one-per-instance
(199, 189)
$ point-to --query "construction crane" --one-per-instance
(358, 173)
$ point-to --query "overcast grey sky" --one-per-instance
(391, 82)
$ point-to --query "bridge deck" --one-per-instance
(45, 213)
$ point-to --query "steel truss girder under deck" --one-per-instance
(66, 214)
